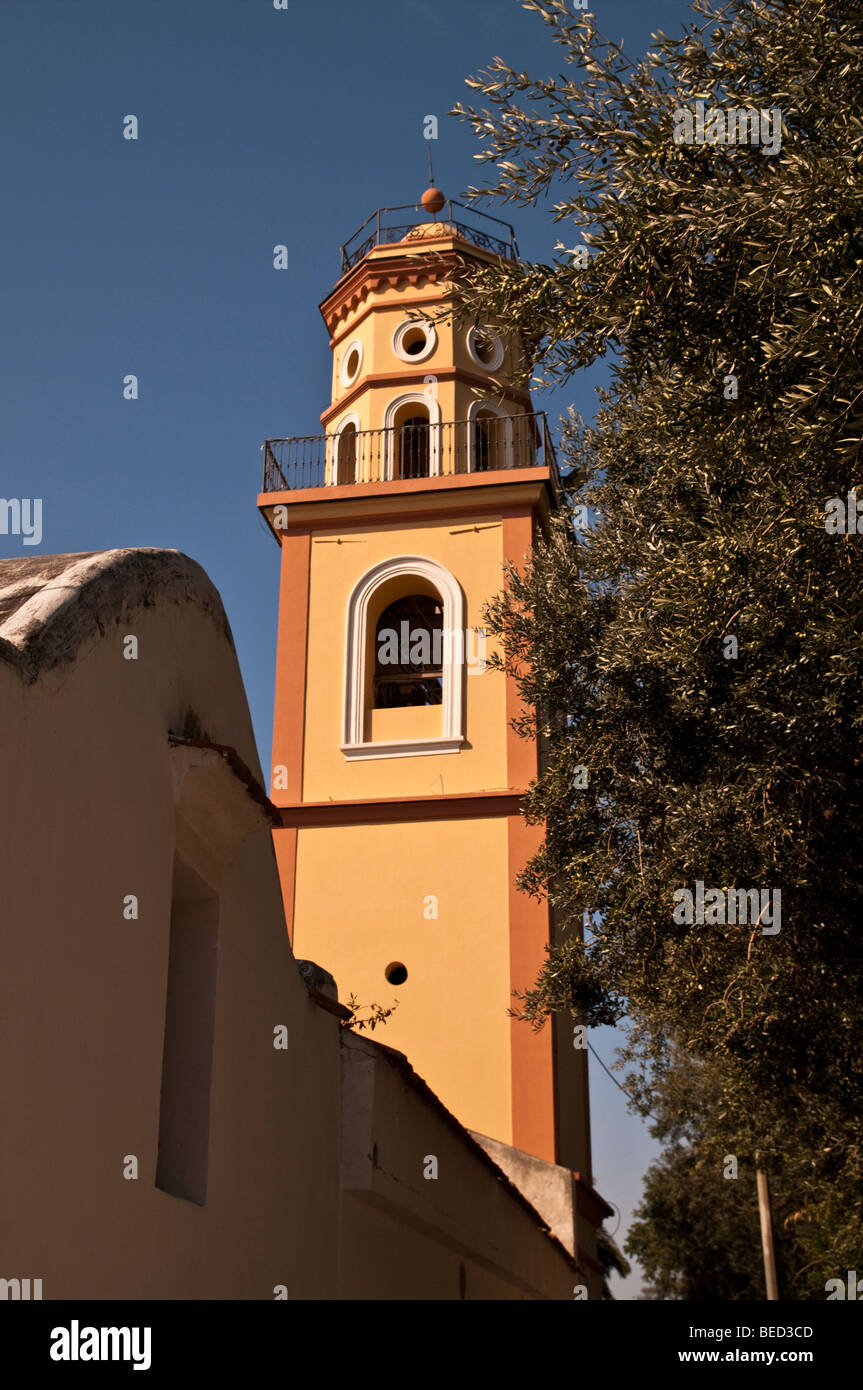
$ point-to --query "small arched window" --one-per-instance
(346, 469)
(412, 442)
(405, 666)
(491, 437)
(409, 653)
(485, 438)
(344, 453)
(412, 436)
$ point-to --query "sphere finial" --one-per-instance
(433, 200)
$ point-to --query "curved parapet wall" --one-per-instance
(51, 605)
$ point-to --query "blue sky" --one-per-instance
(257, 127)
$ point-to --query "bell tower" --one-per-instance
(395, 767)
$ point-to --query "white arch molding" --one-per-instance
(452, 709)
(493, 409)
(433, 407)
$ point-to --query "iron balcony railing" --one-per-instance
(414, 449)
(386, 226)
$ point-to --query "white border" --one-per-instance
(400, 334)
(344, 378)
(497, 359)
(452, 708)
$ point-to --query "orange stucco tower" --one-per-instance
(395, 767)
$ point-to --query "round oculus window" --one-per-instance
(485, 348)
(414, 341)
(351, 362)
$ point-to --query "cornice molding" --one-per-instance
(391, 272)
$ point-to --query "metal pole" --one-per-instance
(765, 1214)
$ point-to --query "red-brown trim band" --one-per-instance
(395, 809)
